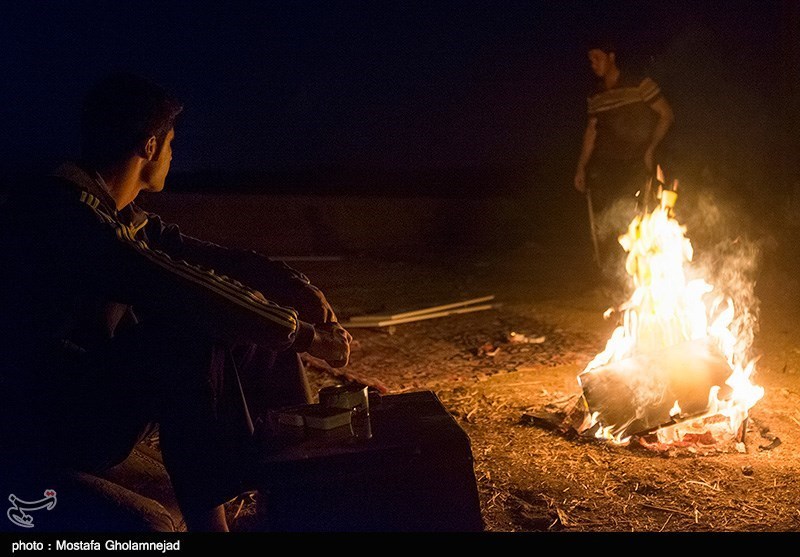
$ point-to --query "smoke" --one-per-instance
(727, 254)
(614, 220)
(710, 218)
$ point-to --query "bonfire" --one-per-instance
(677, 368)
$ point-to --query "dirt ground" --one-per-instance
(533, 478)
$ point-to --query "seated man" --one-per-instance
(112, 320)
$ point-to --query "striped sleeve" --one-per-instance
(648, 90)
(205, 298)
(275, 279)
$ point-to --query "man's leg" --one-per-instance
(271, 379)
(614, 185)
(203, 433)
(163, 373)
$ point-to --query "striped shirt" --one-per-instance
(68, 254)
(625, 121)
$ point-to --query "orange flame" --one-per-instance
(665, 309)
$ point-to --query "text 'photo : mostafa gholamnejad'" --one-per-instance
(117, 545)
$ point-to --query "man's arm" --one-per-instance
(665, 120)
(191, 296)
(275, 279)
(587, 148)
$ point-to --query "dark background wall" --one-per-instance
(443, 98)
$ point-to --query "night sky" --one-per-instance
(404, 85)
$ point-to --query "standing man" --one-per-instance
(112, 320)
(628, 117)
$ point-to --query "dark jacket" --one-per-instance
(74, 268)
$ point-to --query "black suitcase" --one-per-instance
(411, 472)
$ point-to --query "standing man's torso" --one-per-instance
(625, 120)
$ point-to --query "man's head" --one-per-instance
(602, 56)
(126, 116)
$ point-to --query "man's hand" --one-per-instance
(322, 365)
(580, 180)
(312, 306)
(331, 343)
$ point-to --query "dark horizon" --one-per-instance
(295, 88)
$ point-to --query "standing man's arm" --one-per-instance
(665, 120)
(587, 148)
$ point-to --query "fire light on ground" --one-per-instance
(678, 365)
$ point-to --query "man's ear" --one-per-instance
(150, 148)
(612, 57)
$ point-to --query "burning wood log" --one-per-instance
(673, 356)
(653, 390)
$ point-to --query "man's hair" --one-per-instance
(121, 111)
(606, 44)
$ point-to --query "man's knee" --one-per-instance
(273, 379)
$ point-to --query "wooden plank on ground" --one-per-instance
(414, 313)
(388, 322)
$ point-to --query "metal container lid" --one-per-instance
(351, 395)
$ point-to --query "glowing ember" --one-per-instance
(667, 311)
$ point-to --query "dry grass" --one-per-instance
(535, 478)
